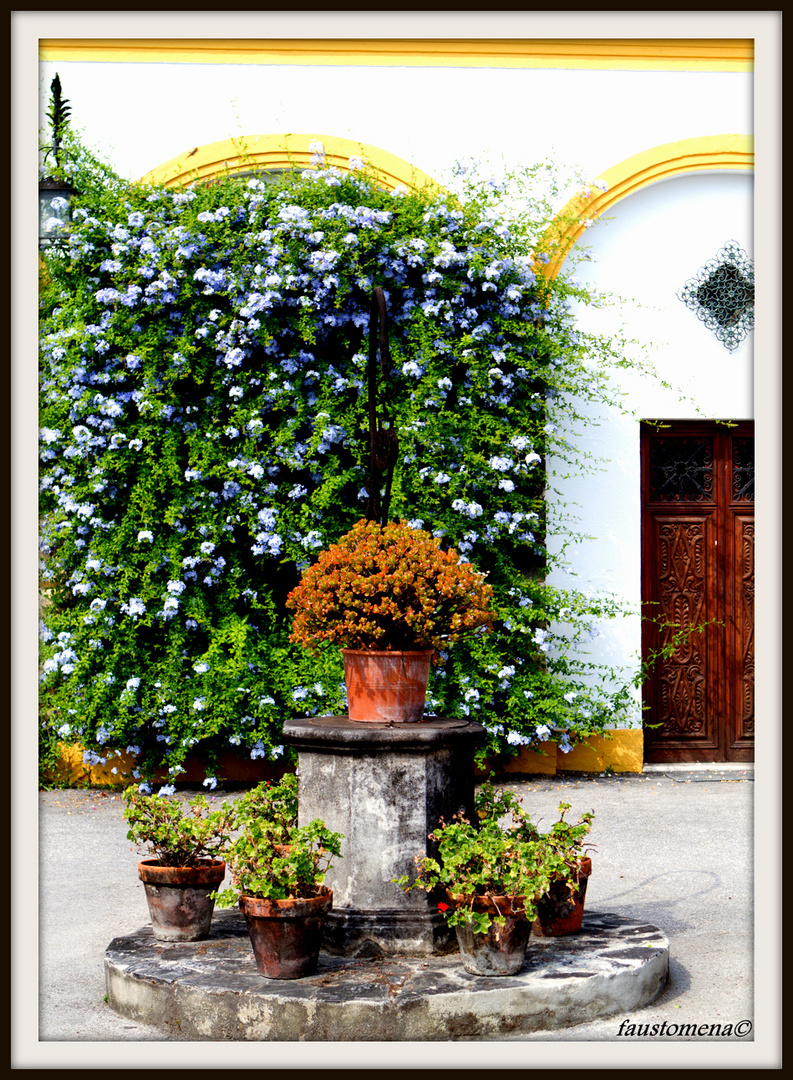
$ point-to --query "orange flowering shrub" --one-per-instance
(388, 587)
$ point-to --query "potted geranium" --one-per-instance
(493, 879)
(277, 870)
(389, 596)
(184, 839)
(273, 805)
(561, 910)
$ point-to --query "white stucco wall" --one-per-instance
(138, 116)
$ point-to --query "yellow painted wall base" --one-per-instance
(620, 751)
(72, 770)
(527, 762)
(231, 769)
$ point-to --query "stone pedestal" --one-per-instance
(385, 787)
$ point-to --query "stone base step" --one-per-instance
(211, 990)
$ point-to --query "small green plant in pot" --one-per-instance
(273, 805)
(185, 839)
(277, 871)
(390, 597)
(492, 877)
(561, 910)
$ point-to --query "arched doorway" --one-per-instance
(683, 555)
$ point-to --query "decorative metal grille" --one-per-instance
(743, 470)
(681, 470)
(722, 295)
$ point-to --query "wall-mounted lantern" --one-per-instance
(54, 210)
(55, 195)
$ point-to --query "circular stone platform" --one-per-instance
(211, 989)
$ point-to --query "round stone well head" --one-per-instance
(385, 787)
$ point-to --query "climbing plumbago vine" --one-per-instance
(204, 434)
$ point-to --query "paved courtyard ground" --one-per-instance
(675, 854)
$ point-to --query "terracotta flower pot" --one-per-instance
(180, 906)
(286, 935)
(502, 950)
(561, 910)
(386, 687)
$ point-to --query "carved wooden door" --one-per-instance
(698, 567)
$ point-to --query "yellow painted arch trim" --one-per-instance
(282, 152)
(714, 152)
(229, 156)
(637, 54)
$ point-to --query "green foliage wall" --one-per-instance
(204, 434)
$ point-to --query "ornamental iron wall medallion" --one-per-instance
(722, 295)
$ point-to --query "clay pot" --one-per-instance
(179, 899)
(502, 950)
(561, 910)
(286, 935)
(387, 687)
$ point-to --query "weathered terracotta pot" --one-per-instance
(502, 950)
(286, 935)
(386, 687)
(179, 899)
(561, 910)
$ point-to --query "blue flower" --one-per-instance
(107, 296)
(470, 510)
(134, 607)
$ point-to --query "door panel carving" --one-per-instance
(741, 639)
(681, 582)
